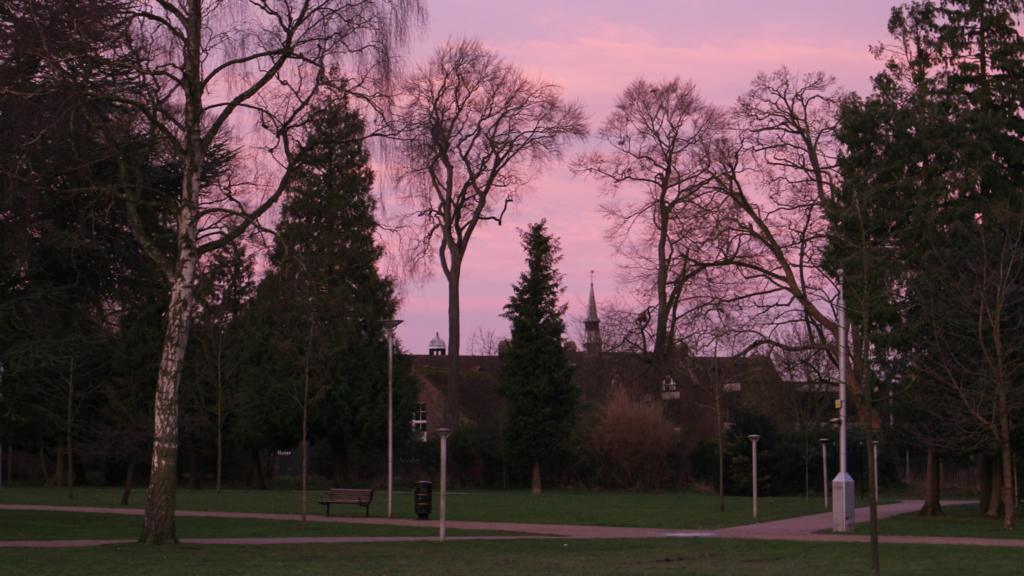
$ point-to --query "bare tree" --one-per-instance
(474, 130)
(484, 342)
(657, 138)
(778, 169)
(973, 351)
(197, 69)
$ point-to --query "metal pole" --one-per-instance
(391, 427)
(906, 476)
(842, 382)
(843, 519)
(874, 446)
(824, 469)
(753, 449)
(390, 326)
(443, 432)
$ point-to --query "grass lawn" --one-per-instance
(607, 508)
(590, 558)
(963, 520)
(24, 525)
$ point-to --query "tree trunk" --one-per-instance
(995, 486)
(42, 466)
(1006, 453)
(305, 416)
(257, 470)
(158, 527)
(661, 335)
(67, 430)
(339, 468)
(129, 478)
(807, 469)
(161, 498)
(535, 486)
(721, 448)
(220, 411)
(933, 486)
(985, 465)
(1008, 499)
(452, 408)
(58, 466)
(193, 468)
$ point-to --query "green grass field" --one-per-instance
(589, 558)
(642, 509)
(963, 521)
(32, 525)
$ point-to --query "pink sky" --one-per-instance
(593, 49)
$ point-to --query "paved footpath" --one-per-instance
(800, 529)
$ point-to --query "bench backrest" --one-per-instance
(350, 494)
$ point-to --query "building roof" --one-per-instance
(592, 303)
(436, 343)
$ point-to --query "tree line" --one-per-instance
(153, 144)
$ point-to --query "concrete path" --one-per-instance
(818, 522)
(799, 529)
(809, 529)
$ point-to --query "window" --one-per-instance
(419, 421)
(669, 389)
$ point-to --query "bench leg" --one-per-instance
(328, 511)
(367, 510)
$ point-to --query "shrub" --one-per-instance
(633, 442)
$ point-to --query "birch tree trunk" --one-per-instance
(160, 502)
(158, 527)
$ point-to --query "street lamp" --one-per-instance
(874, 452)
(842, 485)
(753, 450)
(443, 433)
(824, 468)
(390, 326)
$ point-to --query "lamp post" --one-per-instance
(842, 485)
(390, 326)
(874, 456)
(443, 433)
(824, 468)
(753, 451)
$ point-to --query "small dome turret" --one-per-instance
(437, 346)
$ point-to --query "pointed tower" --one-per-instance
(592, 325)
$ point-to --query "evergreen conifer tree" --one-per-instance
(535, 371)
(322, 303)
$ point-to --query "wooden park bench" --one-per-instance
(360, 496)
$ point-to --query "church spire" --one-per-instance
(592, 324)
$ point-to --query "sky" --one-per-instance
(594, 49)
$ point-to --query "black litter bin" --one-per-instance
(422, 496)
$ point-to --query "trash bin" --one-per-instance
(422, 496)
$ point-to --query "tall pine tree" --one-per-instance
(535, 371)
(323, 301)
